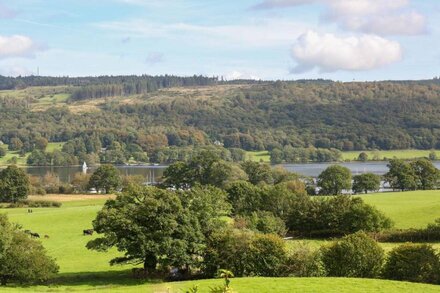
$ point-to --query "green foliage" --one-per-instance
(290, 154)
(334, 179)
(151, 227)
(363, 157)
(257, 172)
(413, 262)
(355, 255)
(263, 222)
(209, 204)
(244, 197)
(244, 253)
(427, 175)
(22, 259)
(401, 175)
(366, 182)
(2, 152)
(14, 184)
(205, 168)
(106, 178)
(335, 216)
(304, 262)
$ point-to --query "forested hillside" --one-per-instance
(151, 113)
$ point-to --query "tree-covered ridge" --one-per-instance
(197, 111)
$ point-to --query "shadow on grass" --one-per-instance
(99, 279)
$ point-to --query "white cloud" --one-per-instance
(262, 33)
(17, 46)
(394, 17)
(240, 75)
(329, 53)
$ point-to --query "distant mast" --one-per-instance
(84, 168)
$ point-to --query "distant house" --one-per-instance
(218, 143)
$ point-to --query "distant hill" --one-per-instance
(253, 115)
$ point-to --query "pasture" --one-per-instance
(21, 161)
(384, 155)
(83, 270)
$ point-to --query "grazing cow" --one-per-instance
(46, 236)
(35, 235)
(88, 232)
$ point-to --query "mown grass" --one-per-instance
(83, 270)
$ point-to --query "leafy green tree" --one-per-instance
(414, 263)
(334, 179)
(209, 204)
(432, 156)
(356, 255)
(363, 157)
(22, 259)
(41, 143)
(151, 227)
(427, 174)
(244, 197)
(257, 172)
(14, 184)
(263, 222)
(106, 178)
(366, 182)
(15, 144)
(401, 175)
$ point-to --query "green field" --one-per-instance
(261, 156)
(414, 209)
(84, 270)
(383, 155)
(21, 161)
(264, 156)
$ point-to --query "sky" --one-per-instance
(260, 39)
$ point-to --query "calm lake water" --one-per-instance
(153, 173)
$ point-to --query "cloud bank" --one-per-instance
(330, 53)
(380, 17)
(17, 46)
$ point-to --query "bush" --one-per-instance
(304, 262)
(244, 253)
(35, 204)
(262, 221)
(430, 233)
(413, 262)
(355, 255)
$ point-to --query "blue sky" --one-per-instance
(267, 39)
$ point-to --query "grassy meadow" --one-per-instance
(21, 161)
(83, 270)
(263, 156)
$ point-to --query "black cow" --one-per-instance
(88, 232)
(35, 235)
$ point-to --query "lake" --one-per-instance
(154, 173)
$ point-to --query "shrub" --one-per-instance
(244, 253)
(262, 221)
(304, 262)
(413, 262)
(355, 255)
(35, 204)
(430, 233)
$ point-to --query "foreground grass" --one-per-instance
(242, 285)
